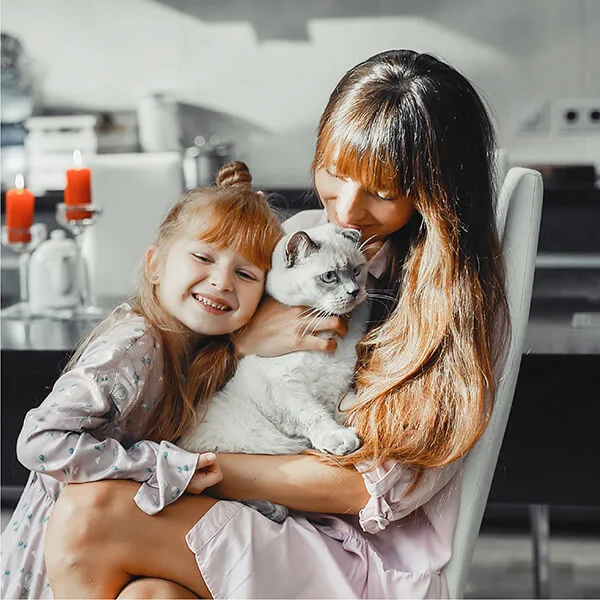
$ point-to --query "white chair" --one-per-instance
(518, 217)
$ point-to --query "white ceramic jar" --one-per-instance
(53, 275)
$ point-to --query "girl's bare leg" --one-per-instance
(98, 540)
(149, 588)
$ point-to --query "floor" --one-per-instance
(502, 566)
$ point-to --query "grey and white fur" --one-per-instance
(287, 404)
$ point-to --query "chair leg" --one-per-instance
(539, 516)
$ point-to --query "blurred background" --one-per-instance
(257, 73)
(157, 94)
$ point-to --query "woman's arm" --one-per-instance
(381, 495)
(276, 329)
(300, 482)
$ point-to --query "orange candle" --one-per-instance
(19, 211)
(79, 188)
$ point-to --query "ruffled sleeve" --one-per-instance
(173, 469)
(388, 484)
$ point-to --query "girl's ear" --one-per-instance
(152, 264)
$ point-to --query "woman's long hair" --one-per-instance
(230, 215)
(426, 375)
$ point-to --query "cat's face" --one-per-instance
(321, 267)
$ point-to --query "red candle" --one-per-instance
(79, 188)
(19, 211)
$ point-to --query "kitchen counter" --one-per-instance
(47, 335)
(552, 330)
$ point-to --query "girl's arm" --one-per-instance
(77, 433)
(300, 482)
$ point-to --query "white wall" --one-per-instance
(267, 95)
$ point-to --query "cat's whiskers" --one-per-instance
(309, 315)
(379, 294)
(364, 243)
(310, 310)
(314, 323)
(318, 316)
(381, 297)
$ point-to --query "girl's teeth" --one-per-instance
(212, 304)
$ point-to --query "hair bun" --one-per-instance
(233, 173)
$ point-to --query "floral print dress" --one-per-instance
(88, 429)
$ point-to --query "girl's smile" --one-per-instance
(212, 304)
(212, 291)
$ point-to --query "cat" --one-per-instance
(287, 404)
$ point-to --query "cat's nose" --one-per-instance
(353, 292)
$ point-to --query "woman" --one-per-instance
(404, 154)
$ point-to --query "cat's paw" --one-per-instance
(275, 512)
(337, 441)
(278, 513)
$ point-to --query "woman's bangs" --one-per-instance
(254, 241)
(363, 153)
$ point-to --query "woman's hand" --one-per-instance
(208, 473)
(276, 329)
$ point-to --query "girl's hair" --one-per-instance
(229, 215)
(426, 377)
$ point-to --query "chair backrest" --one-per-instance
(518, 218)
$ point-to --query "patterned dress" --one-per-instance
(88, 429)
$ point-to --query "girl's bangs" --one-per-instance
(255, 240)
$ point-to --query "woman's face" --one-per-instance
(350, 204)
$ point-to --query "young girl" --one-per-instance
(404, 154)
(132, 386)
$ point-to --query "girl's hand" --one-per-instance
(208, 473)
(276, 329)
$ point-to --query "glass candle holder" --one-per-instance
(23, 242)
(77, 219)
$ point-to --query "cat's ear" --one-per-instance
(352, 234)
(298, 246)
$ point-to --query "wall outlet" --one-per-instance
(575, 116)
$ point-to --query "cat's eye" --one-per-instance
(357, 271)
(329, 277)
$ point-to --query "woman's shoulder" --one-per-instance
(305, 218)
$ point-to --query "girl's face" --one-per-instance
(349, 203)
(211, 291)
